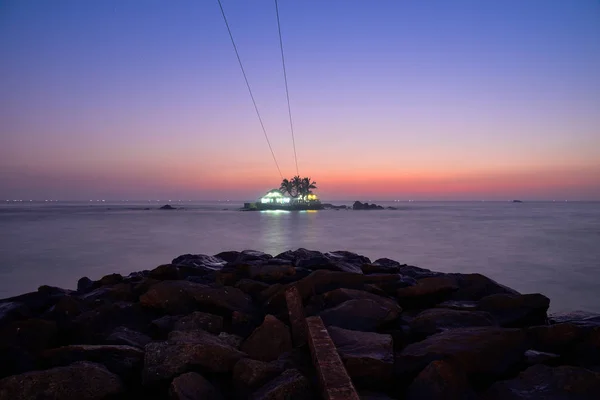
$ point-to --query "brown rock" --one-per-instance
(199, 320)
(440, 380)
(558, 338)
(516, 310)
(338, 296)
(111, 279)
(361, 315)
(436, 320)
(185, 350)
(248, 373)
(269, 340)
(427, 292)
(182, 297)
(546, 383)
(193, 386)
(367, 356)
(289, 385)
(485, 351)
(476, 286)
(81, 380)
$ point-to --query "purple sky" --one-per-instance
(390, 99)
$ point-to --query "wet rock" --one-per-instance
(427, 292)
(515, 310)
(367, 356)
(124, 361)
(11, 311)
(271, 273)
(234, 341)
(587, 352)
(118, 292)
(124, 336)
(32, 335)
(296, 255)
(545, 383)
(165, 272)
(558, 338)
(291, 384)
(338, 296)
(360, 315)
(38, 302)
(268, 341)
(579, 318)
(533, 357)
(436, 320)
(228, 256)
(441, 380)
(482, 351)
(249, 374)
(182, 297)
(81, 380)
(199, 261)
(460, 305)
(199, 320)
(251, 287)
(184, 351)
(85, 284)
(334, 261)
(253, 255)
(476, 286)
(381, 266)
(193, 386)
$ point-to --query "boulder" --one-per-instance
(441, 380)
(124, 361)
(11, 311)
(252, 255)
(184, 351)
(251, 287)
(193, 386)
(460, 305)
(81, 380)
(516, 310)
(296, 255)
(109, 294)
(85, 284)
(361, 315)
(33, 335)
(291, 384)
(228, 256)
(167, 207)
(16, 360)
(38, 302)
(533, 357)
(365, 206)
(111, 279)
(545, 383)
(367, 356)
(234, 341)
(268, 341)
(335, 261)
(476, 286)
(381, 266)
(183, 297)
(338, 296)
(559, 338)
(122, 335)
(271, 273)
(199, 320)
(427, 292)
(437, 320)
(65, 309)
(481, 351)
(201, 262)
(249, 374)
(165, 272)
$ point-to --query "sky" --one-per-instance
(430, 100)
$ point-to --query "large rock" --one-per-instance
(361, 315)
(269, 340)
(437, 320)
(249, 373)
(40, 301)
(484, 351)
(251, 287)
(296, 255)
(165, 272)
(546, 383)
(183, 297)
(427, 292)
(338, 296)
(11, 311)
(193, 386)
(271, 273)
(128, 337)
(559, 338)
(368, 356)
(81, 380)
(252, 255)
(476, 286)
(515, 310)
(33, 335)
(199, 320)
(342, 261)
(186, 350)
(440, 380)
(291, 385)
(387, 266)
(124, 361)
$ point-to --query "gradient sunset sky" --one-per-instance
(143, 99)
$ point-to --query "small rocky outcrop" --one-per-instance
(81, 380)
(365, 206)
(167, 207)
(268, 341)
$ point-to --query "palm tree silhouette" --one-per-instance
(297, 186)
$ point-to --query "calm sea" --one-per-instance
(552, 248)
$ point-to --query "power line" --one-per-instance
(249, 90)
(287, 93)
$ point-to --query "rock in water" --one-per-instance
(368, 356)
(516, 310)
(193, 386)
(485, 351)
(167, 207)
(80, 380)
(360, 315)
(441, 380)
(269, 340)
(185, 350)
(541, 382)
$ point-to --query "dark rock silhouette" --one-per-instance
(167, 207)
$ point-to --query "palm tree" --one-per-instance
(289, 187)
(306, 185)
(297, 186)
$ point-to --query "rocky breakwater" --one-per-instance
(217, 327)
